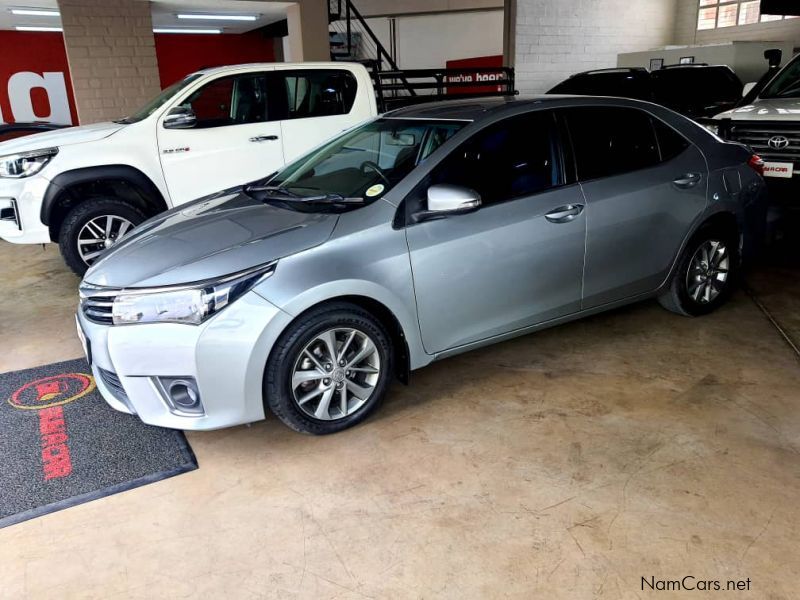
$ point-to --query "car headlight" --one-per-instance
(25, 164)
(191, 304)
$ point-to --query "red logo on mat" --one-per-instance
(48, 395)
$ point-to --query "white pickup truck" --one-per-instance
(86, 187)
(770, 124)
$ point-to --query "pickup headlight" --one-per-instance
(25, 164)
(191, 304)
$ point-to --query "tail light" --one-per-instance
(757, 164)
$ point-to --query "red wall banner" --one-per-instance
(34, 73)
(34, 78)
(477, 62)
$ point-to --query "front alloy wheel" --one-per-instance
(329, 369)
(336, 374)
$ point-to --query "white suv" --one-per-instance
(86, 187)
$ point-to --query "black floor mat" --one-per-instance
(61, 444)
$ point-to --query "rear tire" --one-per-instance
(706, 274)
(83, 221)
(313, 392)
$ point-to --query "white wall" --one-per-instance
(429, 41)
(555, 38)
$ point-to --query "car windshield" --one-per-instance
(157, 102)
(786, 84)
(366, 162)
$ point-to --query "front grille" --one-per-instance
(97, 306)
(114, 385)
(757, 135)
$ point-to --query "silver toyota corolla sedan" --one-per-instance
(419, 235)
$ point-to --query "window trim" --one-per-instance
(284, 73)
(651, 116)
(404, 215)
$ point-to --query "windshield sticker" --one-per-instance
(375, 190)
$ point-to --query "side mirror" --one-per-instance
(748, 87)
(773, 56)
(444, 199)
(180, 118)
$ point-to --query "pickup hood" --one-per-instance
(767, 109)
(60, 137)
(209, 238)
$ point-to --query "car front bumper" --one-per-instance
(226, 356)
(20, 210)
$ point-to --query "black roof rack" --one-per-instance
(613, 70)
(676, 66)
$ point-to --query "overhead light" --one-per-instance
(35, 12)
(171, 30)
(32, 28)
(217, 17)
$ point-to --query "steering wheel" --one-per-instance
(368, 166)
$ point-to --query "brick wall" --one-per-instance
(557, 38)
(111, 55)
(773, 31)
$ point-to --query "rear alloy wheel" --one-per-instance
(329, 370)
(94, 226)
(705, 276)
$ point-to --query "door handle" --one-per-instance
(564, 214)
(264, 138)
(687, 181)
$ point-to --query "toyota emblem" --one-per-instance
(779, 142)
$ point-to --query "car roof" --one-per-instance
(478, 109)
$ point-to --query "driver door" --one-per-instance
(236, 139)
(518, 259)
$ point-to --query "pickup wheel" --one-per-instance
(94, 226)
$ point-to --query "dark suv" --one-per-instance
(695, 90)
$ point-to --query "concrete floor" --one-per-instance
(566, 464)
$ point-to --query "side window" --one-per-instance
(610, 141)
(511, 159)
(319, 93)
(670, 142)
(235, 100)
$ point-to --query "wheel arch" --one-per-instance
(67, 189)
(384, 315)
(723, 219)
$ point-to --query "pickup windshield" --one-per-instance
(786, 83)
(159, 101)
(365, 162)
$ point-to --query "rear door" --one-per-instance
(237, 137)
(321, 103)
(518, 259)
(644, 185)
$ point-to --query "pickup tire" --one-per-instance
(105, 220)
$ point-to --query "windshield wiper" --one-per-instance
(275, 192)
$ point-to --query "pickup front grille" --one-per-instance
(757, 135)
(96, 304)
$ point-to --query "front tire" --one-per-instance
(94, 226)
(329, 370)
(706, 274)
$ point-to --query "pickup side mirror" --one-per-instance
(748, 87)
(445, 199)
(180, 117)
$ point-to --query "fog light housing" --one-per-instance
(181, 395)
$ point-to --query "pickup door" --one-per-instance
(251, 124)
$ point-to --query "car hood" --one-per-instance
(60, 137)
(766, 109)
(209, 238)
